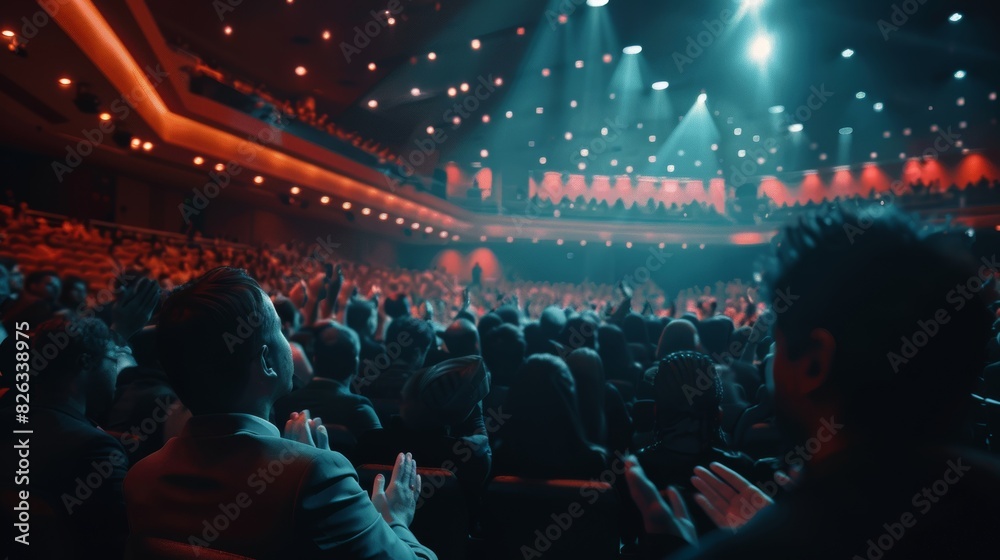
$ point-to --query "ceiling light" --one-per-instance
(432, 56)
(198, 160)
(452, 92)
(415, 92)
(476, 43)
(8, 33)
(326, 35)
(660, 85)
(147, 145)
(218, 166)
(797, 127)
(776, 110)
(632, 49)
(484, 153)
(428, 229)
(346, 206)
(371, 66)
(955, 17)
(383, 216)
(324, 200)
(136, 144)
(878, 107)
(400, 221)
(847, 53)
(959, 74)
(366, 211)
(372, 103)
(259, 179)
(597, 3)
(702, 97)
(300, 70)
(105, 116)
(228, 30)
(846, 130)
(65, 81)
(464, 87)
(415, 225)
(295, 190)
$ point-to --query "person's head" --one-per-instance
(688, 392)
(443, 396)
(614, 350)
(220, 343)
(15, 276)
(504, 350)
(552, 322)
(634, 327)
(678, 336)
(84, 368)
(714, 334)
(74, 292)
(487, 323)
(397, 306)
(509, 314)
(143, 345)
(336, 351)
(461, 338)
(288, 314)
(543, 409)
(414, 337)
(44, 284)
(580, 332)
(878, 322)
(588, 374)
(362, 317)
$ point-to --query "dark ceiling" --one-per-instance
(906, 54)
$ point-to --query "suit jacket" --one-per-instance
(76, 473)
(232, 483)
(331, 401)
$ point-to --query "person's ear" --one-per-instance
(822, 346)
(265, 365)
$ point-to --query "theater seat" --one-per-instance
(153, 548)
(551, 519)
(442, 519)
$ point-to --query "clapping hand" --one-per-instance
(728, 498)
(134, 307)
(398, 502)
(658, 517)
(309, 431)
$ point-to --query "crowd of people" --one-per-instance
(759, 207)
(230, 399)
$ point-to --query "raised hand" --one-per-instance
(465, 298)
(309, 431)
(134, 307)
(398, 502)
(728, 498)
(658, 518)
(625, 289)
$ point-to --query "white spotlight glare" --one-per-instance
(760, 48)
(847, 53)
(702, 97)
(846, 130)
(797, 127)
(860, 95)
(878, 107)
(632, 49)
(660, 85)
(955, 17)
(597, 3)
(959, 74)
(776, 110)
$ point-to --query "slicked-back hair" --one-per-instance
(909, 344)
(210, 331)
(336, 349)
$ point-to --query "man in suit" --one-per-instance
(328, 395)
(230, 481)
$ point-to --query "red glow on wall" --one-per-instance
(974, 168)
(454, 262)
(747, 238)
(873, 178)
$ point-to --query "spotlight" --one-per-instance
(476, 43)
(415, 92)
(660, 85)
(955, 17)
(346, 206)
(428, 229)
(399, 221)
(760, 48)
(846, 130)
(484, 153)
(198, 160)
(324, 200)
(300, 70)
(65, 81)
(776, 110)
(366, 211)
(383, 216)
(105, 116)
(632, 49)
(702, 97)
(452, 92)
(372, 103)
(464, 87)
(959, 74)
(219, 167)
(860, 95)
(326, 35)
(878, 107)
(432, 56)
(847, 53)
(295, 190)
(597, 3)
(147, 145)
(371, 66)
(797, 127)
(259, 179)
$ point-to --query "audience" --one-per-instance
(806, 429)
